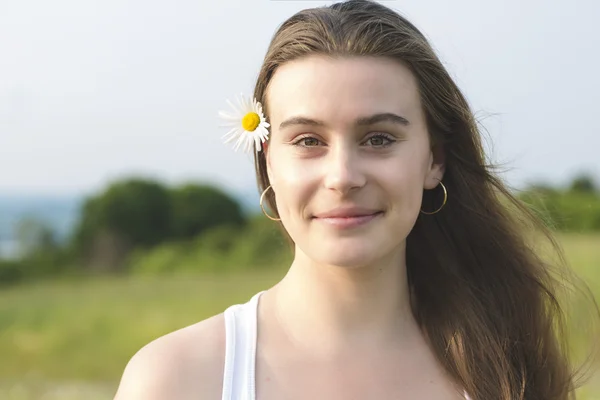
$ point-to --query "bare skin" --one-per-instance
(188, 364)
(339, 324)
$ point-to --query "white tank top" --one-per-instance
(240, 351)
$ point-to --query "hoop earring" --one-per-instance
(262, 197)
(443, 204)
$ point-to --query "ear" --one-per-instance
(436, 169)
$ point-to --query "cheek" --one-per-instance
(285, 174)
(406, 192)
(404, 182)
(293, 186)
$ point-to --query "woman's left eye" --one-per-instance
(380, 140)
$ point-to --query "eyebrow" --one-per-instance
(363, 121)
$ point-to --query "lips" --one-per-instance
(345, 222)
(347, 212)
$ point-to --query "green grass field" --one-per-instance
(71, 339)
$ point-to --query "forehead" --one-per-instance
(337, 89)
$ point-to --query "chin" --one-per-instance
(347, 256)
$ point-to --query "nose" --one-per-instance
(343, 170)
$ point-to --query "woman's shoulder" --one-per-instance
(184, 364)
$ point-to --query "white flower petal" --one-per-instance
(236, 121)
(228, 116)
(248, 106)
(242, 139)
(236, 144)
(231, 135)
(257, 144)
(261, 131)
(243, 104)
(229, 124)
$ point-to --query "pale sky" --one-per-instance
(93, 90)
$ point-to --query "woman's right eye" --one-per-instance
(307, 141)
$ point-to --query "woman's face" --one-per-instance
(348, 137)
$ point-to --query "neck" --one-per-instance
(327, 308)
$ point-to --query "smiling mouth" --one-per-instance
(349, 216)
(345, 222)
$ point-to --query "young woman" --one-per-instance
(412, 275)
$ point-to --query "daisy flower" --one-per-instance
(248, 124)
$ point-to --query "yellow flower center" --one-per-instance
(250, 121)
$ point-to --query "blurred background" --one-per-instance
(123, 216)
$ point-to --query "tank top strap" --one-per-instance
(240, 350)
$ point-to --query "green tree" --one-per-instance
(128, 214)
(583, 183)
(198, 208)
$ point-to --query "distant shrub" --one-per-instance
(128, 214)
(196, 209)
(160, 259)
(11, 272)
(584, 183)
(262, 245)
(572, 211)
(143, 215)
(225, 248)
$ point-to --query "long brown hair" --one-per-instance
(486, 301)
